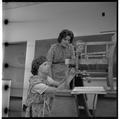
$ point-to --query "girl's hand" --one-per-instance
(61, 86)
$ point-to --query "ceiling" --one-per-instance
(14, 5)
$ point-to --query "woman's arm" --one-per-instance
(49, 58)
(50, 72)
(70, 76)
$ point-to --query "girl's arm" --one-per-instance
(65, 83)
(40, 88)
(53, 90)
(43, 88)
(55, 83)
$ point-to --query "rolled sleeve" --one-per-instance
(39, 88)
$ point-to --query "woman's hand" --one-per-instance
(71, 72)
(70, 75)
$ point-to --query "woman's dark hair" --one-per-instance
(36, 63)
(65, 33)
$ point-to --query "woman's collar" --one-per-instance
(63, 46)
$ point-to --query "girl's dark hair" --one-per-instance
(65, 33)
(36, 63)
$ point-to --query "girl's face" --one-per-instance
(44, 67)
(66, 41)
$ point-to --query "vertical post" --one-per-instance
(110, 62)
(107, 50)
(86, 57)
(29, 57)
(77, 61)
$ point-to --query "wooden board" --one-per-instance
(89, 90)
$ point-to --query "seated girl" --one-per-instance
(42, 88)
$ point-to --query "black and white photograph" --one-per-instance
(60, 59)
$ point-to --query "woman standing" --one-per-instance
(59, 52)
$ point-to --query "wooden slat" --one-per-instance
(110, 62)
(93, 61)
(90, 61)
(97, 72)
(96, 56)
(96, 53)
(100, 78)
(99, 43)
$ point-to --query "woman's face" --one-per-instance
(66, 41)
(44, 68)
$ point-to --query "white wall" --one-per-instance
(46, 20)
